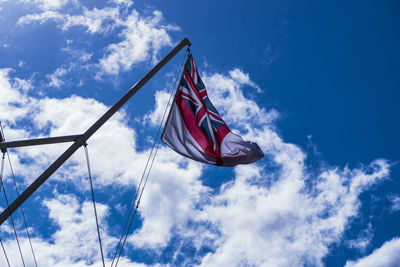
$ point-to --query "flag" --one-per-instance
(195, 129)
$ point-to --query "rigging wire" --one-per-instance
(22, 211)
(12, 221)
(138, 202)
(94, 202)
(5, 254)
(16, 189)
(139, 188)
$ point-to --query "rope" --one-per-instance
(5, 254)
(22, 210)
(94, 203)
(139, 189)
(138, 202)
(8, 206)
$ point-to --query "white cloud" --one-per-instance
(143, 37)
(95, 20)
(161, 98)
(281, 215)
(226, 93)
(77, 235)
(74, 243)
(13, 101)
(50, 4)
(57, 117)
(62, 75)
(169, 201)
(312, 145)
(395, 203)
(127, 3)
(386, 256)
(41, 17)
(284, 224)
(22, 84)
(243, 78)
(74, 115)
(56, 78)
(159, 209)
(364, 239)
(80, 55)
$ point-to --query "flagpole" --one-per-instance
(83, 138)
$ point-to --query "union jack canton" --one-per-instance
(195, 129)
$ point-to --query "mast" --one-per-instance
(80, 140)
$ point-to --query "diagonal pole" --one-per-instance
(82, 140)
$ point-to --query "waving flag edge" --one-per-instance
(195, 129)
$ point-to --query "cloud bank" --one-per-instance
(140, 37)
(277, 212)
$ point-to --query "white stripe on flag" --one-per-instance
(177, 136)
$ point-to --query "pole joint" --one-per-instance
(2, 139)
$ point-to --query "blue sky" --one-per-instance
(315, 84)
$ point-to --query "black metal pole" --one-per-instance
(82, 140)
(39, 141)
(2, 139)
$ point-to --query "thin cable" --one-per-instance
(136, 208)
(8, 206)
(148, 160)
(94, 203)
(140, 197)
(22, 210)
(129, 215)
(2, 135)
(141, 180)
(5, 254)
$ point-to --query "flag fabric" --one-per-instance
(195, 129)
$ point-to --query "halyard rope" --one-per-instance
(5, 196)
(94, 202)
(144, 176)
(5, 254)
(22, 210)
